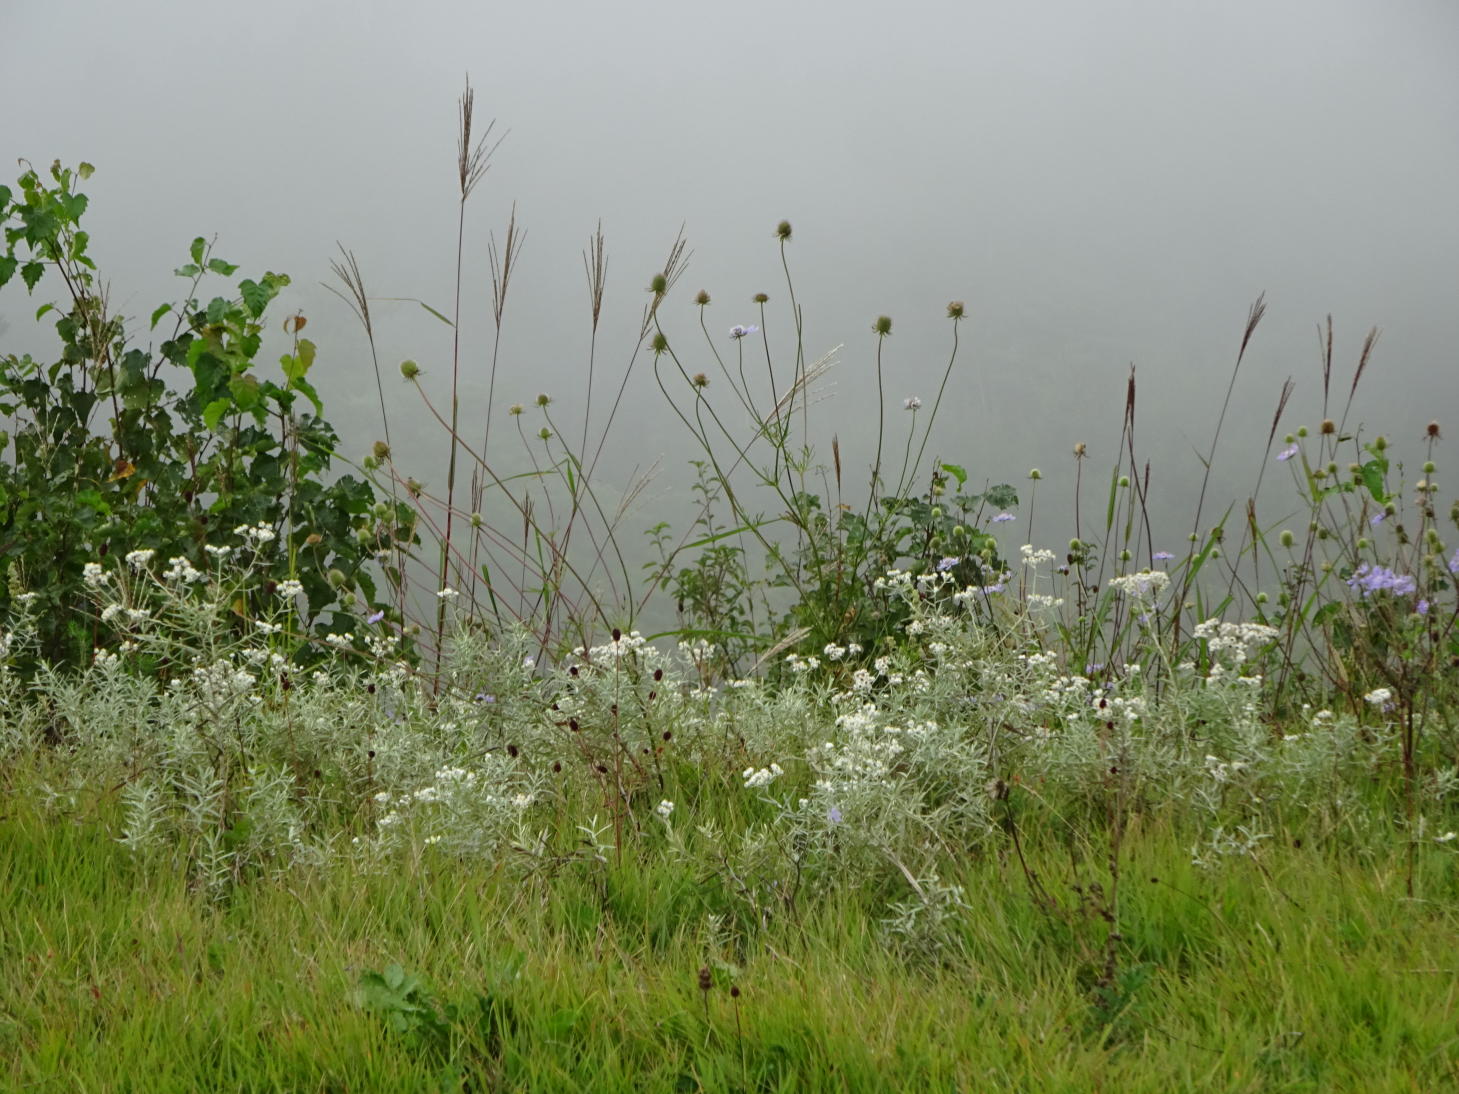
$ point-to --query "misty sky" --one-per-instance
(1102, 183)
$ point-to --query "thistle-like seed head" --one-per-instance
(883, 326)
(782, 231)
(380, 450)
(409, 369)
(760, 298)
(956, 310)
(702, 298)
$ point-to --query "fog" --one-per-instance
(1104, 185)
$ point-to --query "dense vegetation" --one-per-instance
(901, 802)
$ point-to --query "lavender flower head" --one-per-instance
(1287, 453)
(738, 331)
(1369, 579)
(1002, 518)
(946, 564)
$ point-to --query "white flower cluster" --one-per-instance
(94, 576)
(1143, 586)
(763, 777)
(615, 649)
(140, 558)
(181, 571)
(256, 536)
(1033, 557)
(1233, 642)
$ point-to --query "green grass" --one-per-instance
(1310, 971)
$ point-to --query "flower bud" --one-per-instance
(782, 231)
(409, 369)
(702, 298)
(380, 450)
(882, 326)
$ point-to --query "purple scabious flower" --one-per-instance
(1422, 607)
(739, 331)
(1454, 563)
(1287, 453)
(376, 617)
(834, 814)
(1162, 556)
(1377, 519)
(1002, 518)
(1370, 579)
(946, 564)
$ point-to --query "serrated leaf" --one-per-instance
(159, 313)
(199, 245)
(31, 274)
(8, 266)
(218, 266)
(4, 196)
(956, 472)
(187, 271)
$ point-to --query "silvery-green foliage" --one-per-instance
(924, 926)
(467, 811)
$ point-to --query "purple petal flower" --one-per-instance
(1377, 519)
(834, 814)
(1002, 518)
(738, 331)
(1162, 556)
(1287, 453)
(376, 617)
(1369, 579)
(946, 564)
(1454, 563)
(1422, 607)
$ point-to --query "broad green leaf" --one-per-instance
(187, 271)
(245, 391)
(31, 274)
(1373, 480)
(307, 388)
(214, 411)
(4, 196)
(956, 472)
(255, 296)
(43, 309)
(199, 245)
(8, 266)
(159, 313)
(84, 169)
(218, 266)
(296, 365)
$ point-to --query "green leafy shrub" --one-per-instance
(174, 449)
